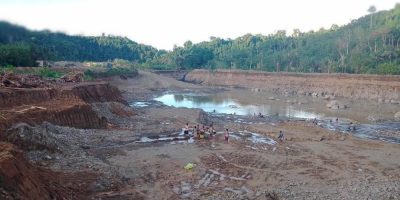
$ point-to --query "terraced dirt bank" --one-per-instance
(83, 141)
(379, 88)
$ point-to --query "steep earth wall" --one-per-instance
(382, 88)
(100, 92)
(88, 92)
(175, 74)
(69, 105)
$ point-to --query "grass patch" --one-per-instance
(8, 68)
(43, 72)
(48, 73)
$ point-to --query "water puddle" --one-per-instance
(157, 139)
(256, 138)
(140, 104)
(177, 138)
(230, 106)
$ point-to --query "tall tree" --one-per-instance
(371, 10)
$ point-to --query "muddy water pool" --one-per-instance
(228, 105)
(372, 120)
(245, 102)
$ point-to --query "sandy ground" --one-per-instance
(303, 167)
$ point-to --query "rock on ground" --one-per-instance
(336, 105)
(397, 116)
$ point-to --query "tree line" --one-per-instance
(22, 47)
(370, 44)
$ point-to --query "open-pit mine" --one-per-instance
(275, 136)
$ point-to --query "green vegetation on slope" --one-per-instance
(118, 67)
(43, 72)
(21, 47)
(370, 44)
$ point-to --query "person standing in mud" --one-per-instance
(195, 132)
(226, 135)
(351, 127)
(202, 131)
(186, 129)
(280, 137)
(212, 129)
(198, 131)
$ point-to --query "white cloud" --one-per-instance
(163, 23)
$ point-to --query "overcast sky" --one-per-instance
(163, 23)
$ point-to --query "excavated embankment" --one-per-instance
(65, 104)
(68, 105)
(376, 87)
(19, 179)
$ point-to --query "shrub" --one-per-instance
(7, 68)
(48, 73)
(389, 68)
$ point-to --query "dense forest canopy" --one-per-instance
(21, 47)
(370, 44)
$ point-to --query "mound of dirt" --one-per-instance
(97, 92)
(78, 115)
(22, 81)
(21, 180)
(73, 77)
(28, 138)
(69, 105)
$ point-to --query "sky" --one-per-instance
(165, 23)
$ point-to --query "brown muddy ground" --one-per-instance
(312, 163)
(356, 86)
(128, 162)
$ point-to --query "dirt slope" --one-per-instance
(383, 88)
(147, 83)
(68, 105)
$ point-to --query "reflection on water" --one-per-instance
(229, 106)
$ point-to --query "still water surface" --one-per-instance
(230, 106)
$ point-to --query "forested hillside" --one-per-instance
(21, 47)
(370, 44)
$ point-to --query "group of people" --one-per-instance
(208, 131)
(199, 132)
(203, 132)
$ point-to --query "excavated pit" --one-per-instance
(94, 146)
